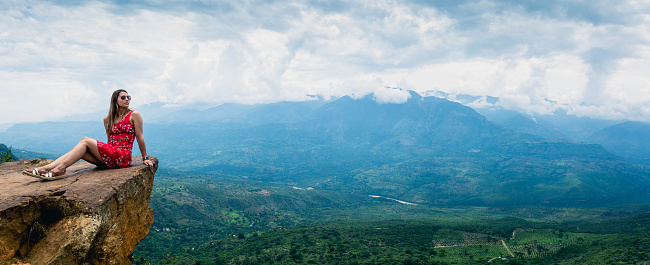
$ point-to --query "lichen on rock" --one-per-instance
(92, 216)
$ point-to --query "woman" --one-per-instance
(122, 124)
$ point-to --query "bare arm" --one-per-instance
(106, 125)
(136, 120)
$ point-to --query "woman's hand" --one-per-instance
(148, 162)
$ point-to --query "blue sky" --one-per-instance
(58, 58)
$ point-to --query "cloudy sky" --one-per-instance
(59, 58)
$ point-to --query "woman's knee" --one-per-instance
(87, 141)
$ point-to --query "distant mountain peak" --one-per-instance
(414, 95)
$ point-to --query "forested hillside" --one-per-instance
(207, 219)
(427, 151)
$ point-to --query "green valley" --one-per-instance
(208, 219)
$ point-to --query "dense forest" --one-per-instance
(423, 242)
(206, 219)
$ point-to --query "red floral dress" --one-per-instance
(117, 153)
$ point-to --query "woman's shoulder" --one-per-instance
(135, 115)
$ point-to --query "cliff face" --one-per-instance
(93, 216)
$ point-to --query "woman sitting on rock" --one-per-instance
(122, 124)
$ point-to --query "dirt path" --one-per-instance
(506, 246)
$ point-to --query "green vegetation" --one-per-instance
(419, 242)
(8, 154)
(209, 219)
(5, 154)
(144, 261)
(491, 172)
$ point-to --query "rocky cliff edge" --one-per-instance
(93, 216)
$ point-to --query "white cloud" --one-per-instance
(391, 95)
(51, 95)
(535, 58)
(628, 83)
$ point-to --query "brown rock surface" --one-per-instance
(93, 216)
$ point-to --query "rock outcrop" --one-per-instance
(93, 216)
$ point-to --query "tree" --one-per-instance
(6, 156)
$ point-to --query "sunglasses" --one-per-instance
(125, 97)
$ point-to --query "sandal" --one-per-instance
(33, 173)
(47, 176)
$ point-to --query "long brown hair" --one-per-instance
(112, 111)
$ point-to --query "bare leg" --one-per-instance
(50, 166)
(86, 149)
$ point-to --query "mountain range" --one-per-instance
(427, 150)
(630, 140)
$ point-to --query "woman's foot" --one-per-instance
(51, 175)
(36, 171)
(54, 173)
